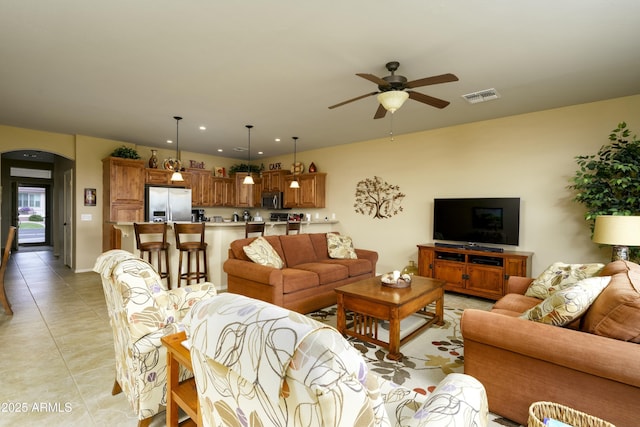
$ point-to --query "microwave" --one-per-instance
(272, 200)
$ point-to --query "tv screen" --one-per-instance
(477, 220)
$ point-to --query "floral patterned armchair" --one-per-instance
(259, 364)
(141, 311)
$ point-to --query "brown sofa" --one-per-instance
(593, 365)
(308, 279)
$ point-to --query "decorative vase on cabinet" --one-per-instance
(153, 161)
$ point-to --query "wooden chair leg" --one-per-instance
(116, 388)
(145, 422)
(5, 300)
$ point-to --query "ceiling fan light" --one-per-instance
(294, 184)
(391, 100)
(177, 176)
(248, 180)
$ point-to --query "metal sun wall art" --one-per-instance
(378, 198)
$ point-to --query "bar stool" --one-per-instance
(253, 227)
(293, 226)
(152, 239)
(192, 246)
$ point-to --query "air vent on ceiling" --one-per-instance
(481, 96)
(239, 149)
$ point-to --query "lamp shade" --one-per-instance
(391, 100)
(248, 180)
(617, 230)
(177, 176)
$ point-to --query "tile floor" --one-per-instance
(57, 362)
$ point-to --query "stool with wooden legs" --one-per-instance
(293, 226)
(3, 268)
(190, 240)
(253, 227)
(152, 239)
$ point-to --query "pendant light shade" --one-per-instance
(248, 179)
(177, 176)
(294, 183)
(391, 100)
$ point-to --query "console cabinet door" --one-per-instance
(451, 272)
(485, 279)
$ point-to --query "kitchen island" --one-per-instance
(218, 236)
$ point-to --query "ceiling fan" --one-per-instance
(392, 90)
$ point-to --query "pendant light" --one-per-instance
(177, 176)
(248, 179)
(294, 183)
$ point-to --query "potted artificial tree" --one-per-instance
(608, 183)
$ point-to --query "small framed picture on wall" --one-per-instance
(89, 196)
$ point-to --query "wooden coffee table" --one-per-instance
(370, 301)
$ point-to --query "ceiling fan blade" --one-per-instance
(375, 79)
(380, 112)
(433, 80)
(353, 99)
(430, 100)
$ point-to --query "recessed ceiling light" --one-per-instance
(219, 150)
(169, 141)
(277, 139)
(203, 128)
(260, 152)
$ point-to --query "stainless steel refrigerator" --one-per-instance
(167, 204)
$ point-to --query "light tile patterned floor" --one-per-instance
(57, 362)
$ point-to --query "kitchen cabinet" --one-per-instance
(123, 196)
(258, 188)
(311, 193)
(243, 192)
(163, 177)
(201, 187)
(223, 193)
(274, 180)
(472, 272)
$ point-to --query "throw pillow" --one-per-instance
(566, 305)
(340, 247)
(261, 252)
(559, 276)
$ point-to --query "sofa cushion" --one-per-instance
(515, 303)
(340, 247)
(356, 267)
(319, 241)
(294, 280)
(566, 305)
(327, 273)
(261, 252)
(560, 275)
(616, 312)
(237, 247)
(297, 249)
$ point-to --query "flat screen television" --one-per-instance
(477, 220)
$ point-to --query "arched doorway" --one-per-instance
(33, 199)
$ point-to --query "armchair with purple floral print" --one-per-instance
(141, 311)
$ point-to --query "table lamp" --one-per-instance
(619, 231)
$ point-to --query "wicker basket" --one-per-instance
(538, 411)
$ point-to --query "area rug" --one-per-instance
(427, 358)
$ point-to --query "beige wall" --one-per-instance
(530, 156)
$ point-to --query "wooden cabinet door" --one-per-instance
(291, 195)
(515, 266)
(425, 262)
(125, 180)
(485, 279)
(450, 272)
(157, 176)
(244, 192)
